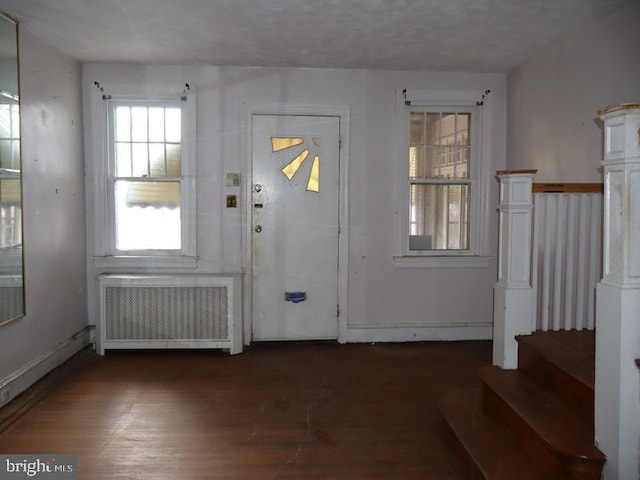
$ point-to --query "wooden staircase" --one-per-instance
(535, 422)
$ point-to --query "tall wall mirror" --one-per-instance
(11, 258)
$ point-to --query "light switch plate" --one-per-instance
(233, 179)
(232, 201)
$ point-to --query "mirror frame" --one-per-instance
(4, 17)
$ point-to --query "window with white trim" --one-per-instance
(440, 163)
(148, 182)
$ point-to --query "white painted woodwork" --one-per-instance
(295, 231)
(513, 294)
(558, 260)
(170, 311)
(566, 259)
(617, 389)
(569, 270)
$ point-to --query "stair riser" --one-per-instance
(554, 465)
(547, 373)
(456, 446)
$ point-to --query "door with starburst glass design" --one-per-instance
(295, 226)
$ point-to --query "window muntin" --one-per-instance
(146, 177)
(441, 180)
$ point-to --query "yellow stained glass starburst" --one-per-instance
(282, 143)
(293, 167)
(313, 184)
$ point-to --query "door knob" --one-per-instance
(257, 188)
(258, 228)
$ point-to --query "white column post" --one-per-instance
(513, 302)
(617, 389)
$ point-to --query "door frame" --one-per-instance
(342, 112)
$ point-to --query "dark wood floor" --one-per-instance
(278, 411)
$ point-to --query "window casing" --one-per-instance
(442, 192)
(146, 184)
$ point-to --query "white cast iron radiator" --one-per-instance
(170, 311)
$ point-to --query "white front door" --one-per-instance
(295, 227)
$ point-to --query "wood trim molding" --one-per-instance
(516, 172)
(568, 188)
(618, 108)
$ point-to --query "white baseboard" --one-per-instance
(418, 333)
(18, 381)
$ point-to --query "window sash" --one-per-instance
(448, 234)
(113, 177)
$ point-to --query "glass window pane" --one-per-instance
(5, 154)
(453, 220)
(10, 213)
(156, 124)
(157, 160)
(438, 217)
(174, 160)
(462, 162)
(173, 125)
(15, 121)
(282, 143)
(463, 134)
(417, 123)
(433, 128)
(10, 154)
(313, 184)
(147, 215)
(9, 191)
(294, 165)
(123, 159)
(15, 155)
(426, 162)
(5, 121)
(139, 124)
(123, 124)
(447, 129)
(451, 162)
(140, 152)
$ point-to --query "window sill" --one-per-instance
(469, 261)
(173, 261)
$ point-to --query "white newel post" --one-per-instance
(617, 388)
(513, 302)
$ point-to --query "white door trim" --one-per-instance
(343, 113)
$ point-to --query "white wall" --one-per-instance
(54, 226)
(381, 295)
(553, 98)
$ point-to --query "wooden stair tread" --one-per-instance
(489, 451)
(552, 419)
(572, 351)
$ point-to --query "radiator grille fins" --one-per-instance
(167, 313)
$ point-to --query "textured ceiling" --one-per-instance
(445, 35)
